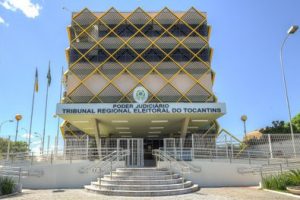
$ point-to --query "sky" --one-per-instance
(246, 37)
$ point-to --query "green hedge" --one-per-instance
(281, 181)
(7, 185)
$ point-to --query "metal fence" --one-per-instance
(267, 147)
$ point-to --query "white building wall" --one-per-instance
(213, 174)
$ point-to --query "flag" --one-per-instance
(49, 75)
(36, 81)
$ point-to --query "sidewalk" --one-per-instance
(230, 193)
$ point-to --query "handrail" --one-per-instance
(19, 172)
(182, 162)
(67, 155)
(181, 165)
(104, 162)
(270, 168)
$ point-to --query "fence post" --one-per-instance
(8, 148)
(31, 163)
(249, 157)
(181, 148)
(226, 146)
(71, 153)
(110, 169)
(65, 150)
(193, 152)
(280, 167)
(19, 176)
(231, 146)
(210, 155)
(100, 177)
(51, 158)
(270, 145)
(87, 146)
(261, 175)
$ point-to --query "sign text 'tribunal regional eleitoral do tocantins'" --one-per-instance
(135, 108)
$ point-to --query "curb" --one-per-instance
(283, 193)
(9, 195)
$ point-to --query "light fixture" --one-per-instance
(199, 120)
(159, 121)
(119, 121)
(80, 122)
(293, 29)
(193, 127)
(152, 136)
(156, 127)
(124, 132)
(126, 136)
(122, 128)
(154, 132)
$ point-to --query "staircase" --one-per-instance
(142, 182)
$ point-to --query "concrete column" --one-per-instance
(270, 146)
(184, 127)
(97, 136)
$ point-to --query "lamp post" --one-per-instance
(18, 118)
(291, 31)
(244, 119)
(4, 122)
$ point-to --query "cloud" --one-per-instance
(28, 8)
(2, 21)
(25, 135)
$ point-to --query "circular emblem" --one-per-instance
(140, 94)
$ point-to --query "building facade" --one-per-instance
(141, 76)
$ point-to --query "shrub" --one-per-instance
(281, 181)
(6, 185)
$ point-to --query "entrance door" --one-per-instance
(136, 151)
(149, 145)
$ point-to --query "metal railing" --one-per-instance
(106, 163)
(65, 156)
(225, 154)
(19, 172)
(173, 164)
(271, 168)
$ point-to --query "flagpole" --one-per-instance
(32, 108)
(31, 117)
(58, 119)
(45, 116)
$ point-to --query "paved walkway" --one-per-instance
(243, 193)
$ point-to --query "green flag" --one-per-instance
(49, 75)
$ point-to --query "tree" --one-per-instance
(14, 146)
(283, 127)
(296, 123)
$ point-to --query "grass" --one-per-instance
(6, 185)
(281, 181)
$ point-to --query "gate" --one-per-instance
(136, 149)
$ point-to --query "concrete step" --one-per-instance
(141, 173)
(124, 177)
(142, 187)
(150, 169)
(151, 193)
(141, 182)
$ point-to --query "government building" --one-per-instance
(139, 81)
